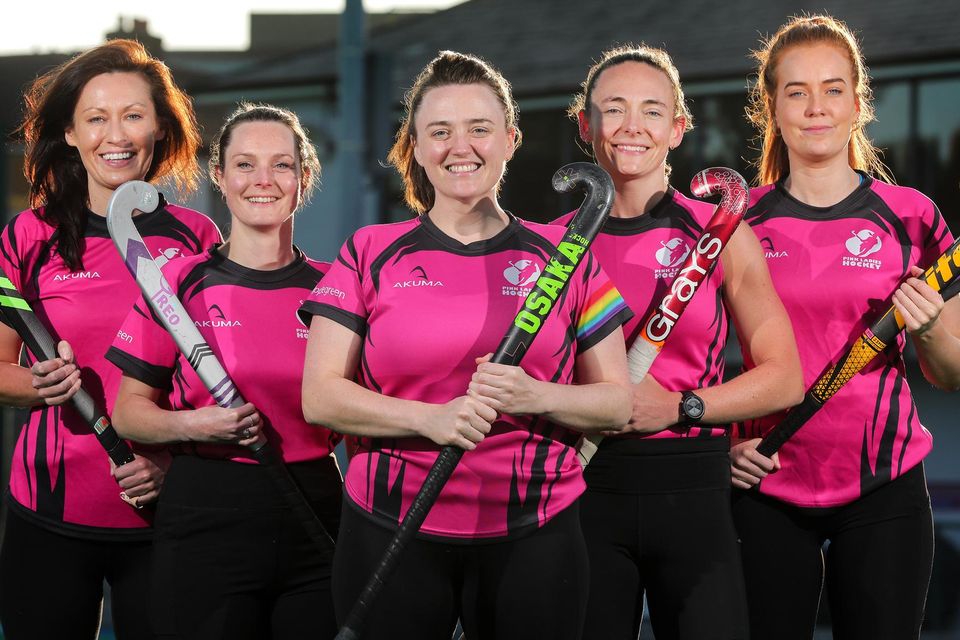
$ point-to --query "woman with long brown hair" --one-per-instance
(107, 116)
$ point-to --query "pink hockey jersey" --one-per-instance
(426, 306)
(836, 269)
(60, 476)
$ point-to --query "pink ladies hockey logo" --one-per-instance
(163, 256)
(860, 245)
(520, 274)
(660, 324)
(671, 255)
(303, 331)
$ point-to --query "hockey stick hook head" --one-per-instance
(588, 175)
(135, 195)
(727, 182)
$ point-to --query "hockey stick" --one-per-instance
(25, 322)
(548, 287)
(942, 277)
(141, 196)
(659, 323)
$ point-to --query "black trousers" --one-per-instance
(657, 520)
(877, 565)
(51, 585)
(531, 587)
(231, 562)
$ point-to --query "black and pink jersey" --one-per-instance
(249, 318)
(60, 475)
(642, 255)
(836, 269)
(426, 306)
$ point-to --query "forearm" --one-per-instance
(589, 408)
(140, 419)
(938, 351)
(346, 407)
(770, 387)
(16, 388)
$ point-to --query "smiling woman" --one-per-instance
(217, 506)
(114, 130)
(109, 115)
(405, 369)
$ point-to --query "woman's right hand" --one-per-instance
(58, 379)
(748, 466)
(463, 422)
(241, 425)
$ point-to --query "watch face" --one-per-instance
(693, 407)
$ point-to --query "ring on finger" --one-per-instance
(245, 434)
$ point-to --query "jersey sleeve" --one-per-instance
(938, 237)
(602, 308)
(340, 296)
(143, 349)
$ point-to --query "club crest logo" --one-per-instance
(521, 275)
(166, 255)
(522, 272)
(863, 243)
(860, 245)
(670, 256)
(303, 331)
(672, 252)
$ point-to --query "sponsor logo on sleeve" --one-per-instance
(124, 336)
(333, 292)
(520, 276)
(862, 244)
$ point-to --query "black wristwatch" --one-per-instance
(691, 408)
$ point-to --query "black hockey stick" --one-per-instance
(580, 233)
(25, 322)
(141, 196)
(942, 277)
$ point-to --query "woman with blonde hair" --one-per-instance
(656, 513)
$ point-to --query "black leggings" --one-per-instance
(51, 585)
(231, 562)
(531, 587)
(675, 542)
(877, 564)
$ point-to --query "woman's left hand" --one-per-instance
(506, 389)
(140, 479)
(919, 305)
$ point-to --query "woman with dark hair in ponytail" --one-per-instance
(107, 116)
